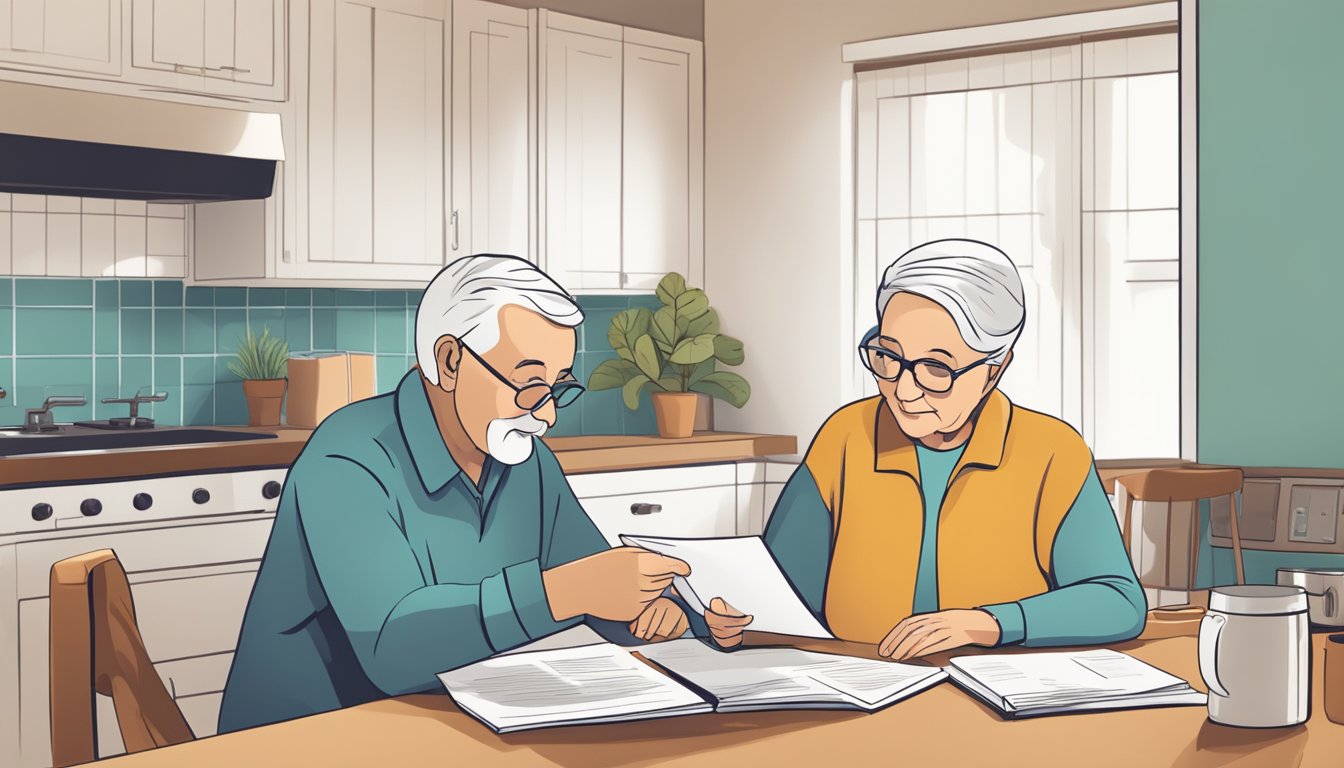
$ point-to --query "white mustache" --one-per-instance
(537, 430)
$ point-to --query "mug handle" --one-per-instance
(1210, 630)
(1329, 603)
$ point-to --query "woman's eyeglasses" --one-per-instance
(930, 375)
(531, 397)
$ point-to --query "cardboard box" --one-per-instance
(321, 383)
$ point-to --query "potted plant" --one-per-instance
(261, 363)
(672, 352)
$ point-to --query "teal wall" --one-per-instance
(108, 338)
(1271, 259)
(1271, 248)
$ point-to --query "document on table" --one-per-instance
(742, 571)
(788, 678)
(1026, 684)
(600, 683)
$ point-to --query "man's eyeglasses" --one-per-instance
(531, 397)
(930, 375)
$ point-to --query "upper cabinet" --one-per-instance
(235, 49)
(494, 156)
(220, 47)
(373, 142)
(72, 37)
(621, 134)
(416, 131)
(580, 107)
(662, 170)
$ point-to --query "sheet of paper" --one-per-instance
(744, 573)
(591, 683)
(781, 675)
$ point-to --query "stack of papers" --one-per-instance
(605, 683)
(742, 571)
(1029, 684)
(568, 686)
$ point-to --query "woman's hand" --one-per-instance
(661, 620)
(927, 633)
(726, 623)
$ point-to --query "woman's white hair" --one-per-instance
(975, 282)
(464, 300)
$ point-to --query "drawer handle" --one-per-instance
(645, 509)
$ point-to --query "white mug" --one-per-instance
(1255, 656)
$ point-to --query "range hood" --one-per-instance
(58, 141)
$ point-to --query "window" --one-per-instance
(1067, 159)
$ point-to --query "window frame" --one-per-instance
(1040, 33)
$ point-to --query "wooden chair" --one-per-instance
(96, 648)
(1182, 485)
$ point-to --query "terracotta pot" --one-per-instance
(265, 397)
(675, 412)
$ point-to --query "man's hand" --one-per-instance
(615, 584)
(661, 620)
(726, 623)
(927, 633)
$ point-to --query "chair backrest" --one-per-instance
(96, 648)
(1170, 485)
(1181, 484)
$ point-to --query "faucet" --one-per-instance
(135, 420)
(40, 420)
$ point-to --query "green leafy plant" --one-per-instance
(674, 349)
(263, 357)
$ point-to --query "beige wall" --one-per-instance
(684, 18)
(777, 240)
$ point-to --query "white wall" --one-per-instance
(778, 187)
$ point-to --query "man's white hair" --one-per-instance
(465, 298)
(975, 282)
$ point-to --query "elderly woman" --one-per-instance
(938, 514)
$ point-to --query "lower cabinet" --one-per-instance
(191, 585)
(677, 501)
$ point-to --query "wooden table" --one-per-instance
(942, 727)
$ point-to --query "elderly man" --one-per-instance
(938, 514)
(427, 528)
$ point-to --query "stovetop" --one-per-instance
(87, 437)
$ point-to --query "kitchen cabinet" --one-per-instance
(759, 485)
(493, 133)
(373, 163)
(662, 169)
(580, 87)
(191, 583)
(191, 562)
(621, 133)
(231, 48)
(693, 501)
(70, 37)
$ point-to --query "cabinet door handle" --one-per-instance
(240, 70)
(640, 508)
(453, 221)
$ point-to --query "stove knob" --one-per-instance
(142, 501)
(41, 511)
(200, 495)
(90, 507)
(271, 489)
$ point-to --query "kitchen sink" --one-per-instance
(67, 437)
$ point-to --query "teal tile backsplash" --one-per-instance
(110, 338)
